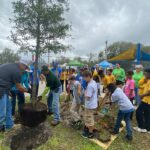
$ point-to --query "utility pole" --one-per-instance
(106, 49)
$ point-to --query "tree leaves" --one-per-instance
(7, 56)
(49, 15)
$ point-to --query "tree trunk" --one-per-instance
(34, 96)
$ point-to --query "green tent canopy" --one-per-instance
(75, 63)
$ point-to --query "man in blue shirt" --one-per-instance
(10, 75)
(79, 78)
(56, 69)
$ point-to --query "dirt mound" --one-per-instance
(25, 138)
(65, 112)
(104, 123)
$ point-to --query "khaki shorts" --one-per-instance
(89, 117)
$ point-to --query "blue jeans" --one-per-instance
(21, 100)
(53, 103)
(5, 112)
(126, 117)
(137, 97)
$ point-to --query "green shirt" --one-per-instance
(119, 74)
(52, 81)
(137, 77)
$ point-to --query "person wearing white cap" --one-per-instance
(10, 75)
(137, 76)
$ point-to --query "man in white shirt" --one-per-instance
(91, 104)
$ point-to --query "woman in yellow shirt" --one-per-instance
(143, 111)
(109, 78)
(141, 84)
(106, 79)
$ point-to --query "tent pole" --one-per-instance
(138, 53)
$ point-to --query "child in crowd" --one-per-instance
(110, 78)
(102, 79)
(79, 78)
(143, 111)
(125, 109)
(129, 88)
(63, 78)
(120, 84)
(91, 104)
(78, 99)
(141, 85)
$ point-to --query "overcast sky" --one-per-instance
(94, 22)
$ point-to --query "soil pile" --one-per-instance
(25, 138)
(104, 123)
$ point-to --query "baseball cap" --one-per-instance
(24, 62)
(44, 68)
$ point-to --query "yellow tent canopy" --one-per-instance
(126, 55)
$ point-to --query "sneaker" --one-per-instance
(129, 138)
(85, 134)
(91, 135)
(136, 128)
(140, 130)
(55, 123)
(88, 135)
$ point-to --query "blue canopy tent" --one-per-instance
(105, 64)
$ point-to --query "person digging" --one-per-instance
(54, 85)
(10, 75)
(78, 101)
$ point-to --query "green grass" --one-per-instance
(65, 138)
